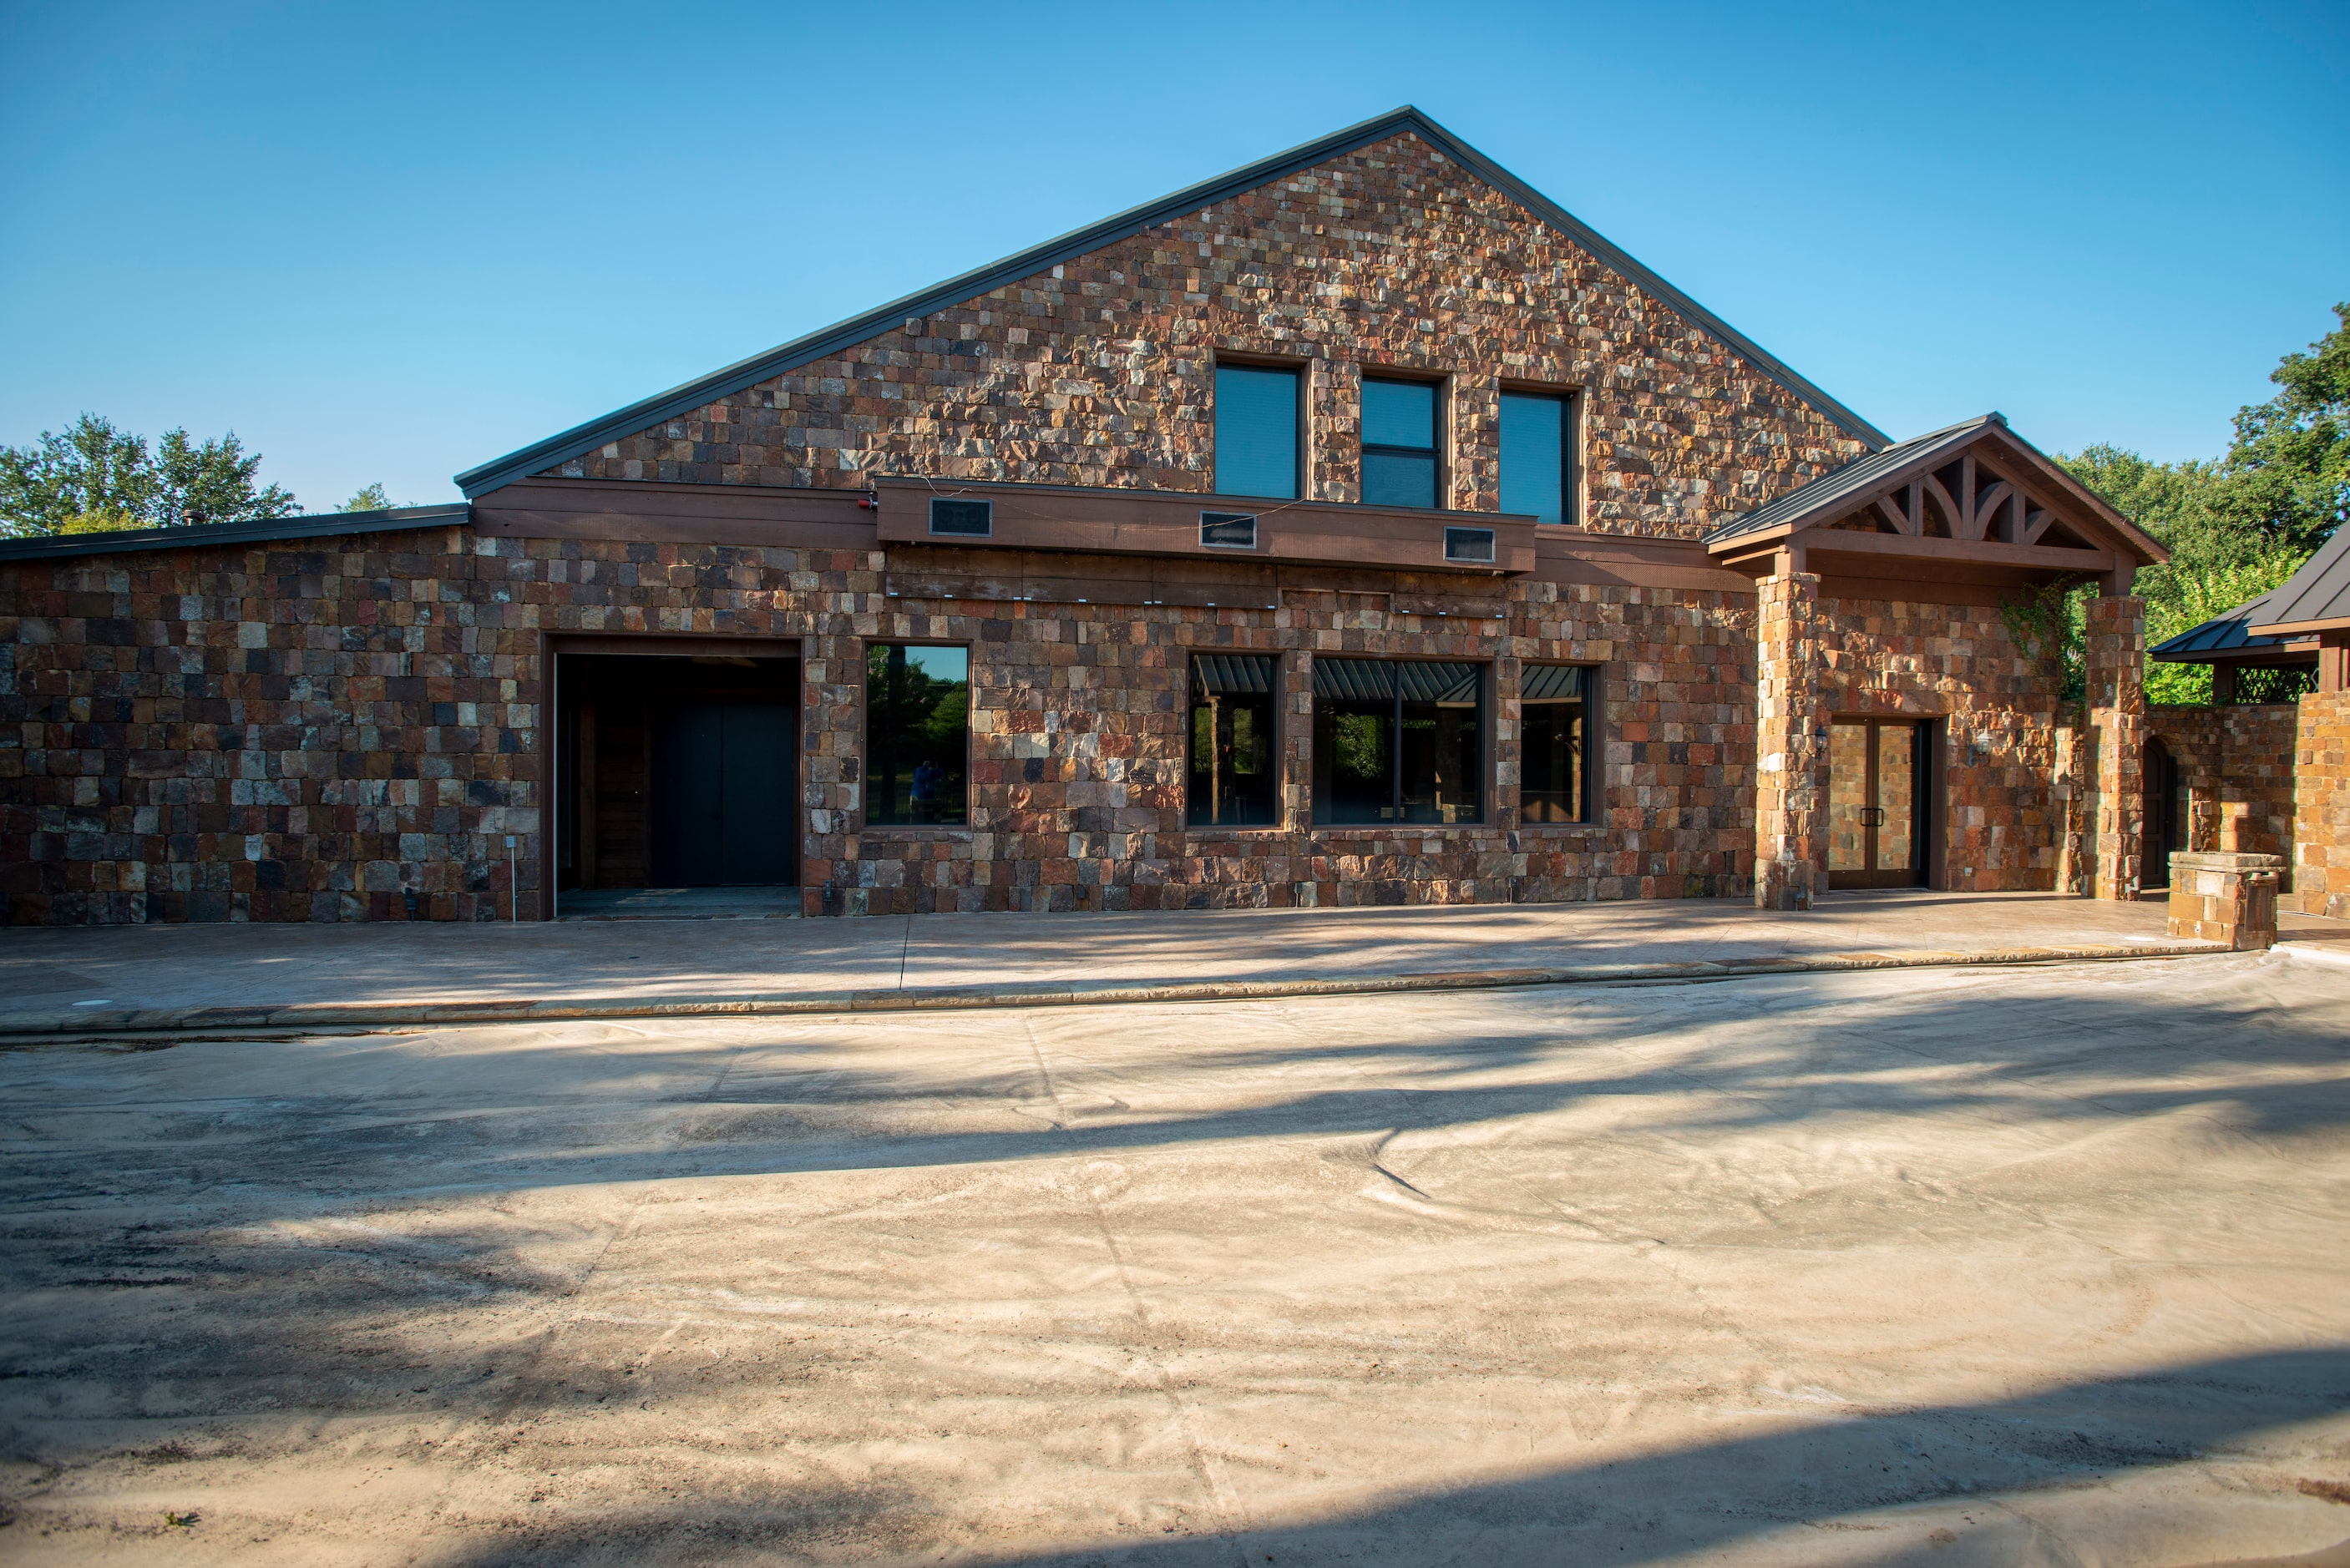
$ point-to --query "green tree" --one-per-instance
(90, 470)
(371, 498)
(94, 476)
(213, 482)
(2237, 526)
(2287, 475)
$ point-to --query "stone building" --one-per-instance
(1356, 527)
(2265, 770)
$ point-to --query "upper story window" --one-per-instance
(1399, 464)
(917, 734)
(1538, 456)
(1256, 432)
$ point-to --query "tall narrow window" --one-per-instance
(1554, 707)
(917, 734)
(1538, 456)
(1233, 759)
(1398, 742)
(1256, 432)
(1400, 466)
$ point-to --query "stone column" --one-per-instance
(2115, 659)
(2321, 805)
(1791, 756)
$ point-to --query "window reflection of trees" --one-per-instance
(917, 723)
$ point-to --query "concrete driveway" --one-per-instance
(2026, 1266)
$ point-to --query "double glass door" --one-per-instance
(1876, 821)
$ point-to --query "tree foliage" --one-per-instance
(94, 476)
(369, 498)
(2241, 525)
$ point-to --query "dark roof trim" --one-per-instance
(197, 536)
(1853, 478)
(580, 440)
(2314, 599)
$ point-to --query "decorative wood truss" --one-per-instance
(1953, 516)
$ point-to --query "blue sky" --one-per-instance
(388, 242)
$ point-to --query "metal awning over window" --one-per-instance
(1377, 680)
(1232, 674)
(1551, 683)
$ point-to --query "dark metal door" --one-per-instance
(723, 796)
(1877, 803)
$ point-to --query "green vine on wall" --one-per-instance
(2051, 621)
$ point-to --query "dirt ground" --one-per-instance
(2023, 1266)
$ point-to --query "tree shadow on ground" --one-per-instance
(1703, 1498)
(102, 1295)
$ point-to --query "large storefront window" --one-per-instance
(1554, 706)
(1234, 760)
(1398, 742)
(917, 735)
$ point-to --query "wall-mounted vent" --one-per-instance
(1228, 530)
(1469, 545)
(963, 519)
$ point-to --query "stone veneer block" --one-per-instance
(2217, 896)
(2321, 814)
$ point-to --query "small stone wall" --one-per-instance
(2238, 764)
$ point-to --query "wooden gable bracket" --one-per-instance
(1998, 496)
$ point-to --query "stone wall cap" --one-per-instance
(2224, 860)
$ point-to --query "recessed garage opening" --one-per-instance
(677, 789)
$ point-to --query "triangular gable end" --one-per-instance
(1974, 499)
(647, 417)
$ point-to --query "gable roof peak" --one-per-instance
(580, 440)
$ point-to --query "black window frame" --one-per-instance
(1397, 821)
(866, 772)
(1570, 446)
(1433, 451)
(1295, 371)
(1274, 823)
(1590, 750)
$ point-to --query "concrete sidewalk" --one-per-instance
(179, 976)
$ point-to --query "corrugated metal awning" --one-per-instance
(1551, 683)
(1232, 674)
(1377, 680)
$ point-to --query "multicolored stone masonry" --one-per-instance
(2320, 817)
(1101, 371)
(2217, 896)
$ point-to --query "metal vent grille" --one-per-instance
(1469, 544)
(1228, 530)
(963, 519)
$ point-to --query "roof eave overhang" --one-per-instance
(260, 531)
(2301, 627)
(2127, 536)
(580, 440)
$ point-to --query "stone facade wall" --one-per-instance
(315, 730)
(1078, 716)
(300, 732)
(2321, 822)
(2004, 815)
(1100, 372)
(2238, 765)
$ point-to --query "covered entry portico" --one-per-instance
(1876, 722)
